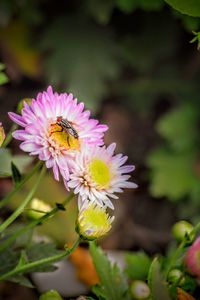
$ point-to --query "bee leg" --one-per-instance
(68, 141)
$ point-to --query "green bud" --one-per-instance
(50, 295)
(38, 208)
(139, 290)
(176, 277)
(182, 230)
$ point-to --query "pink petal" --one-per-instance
(17, 119)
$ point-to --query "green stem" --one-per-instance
(174, 258)
(9, 136)
(10, 239)
(22, 182)
(39, 263)
(20, 209)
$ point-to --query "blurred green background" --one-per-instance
(132, 63)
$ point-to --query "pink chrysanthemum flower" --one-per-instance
(44, 136)
(192, 258)
(98, 174)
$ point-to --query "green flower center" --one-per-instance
(100, 173)
(96, 216)
(93, 222)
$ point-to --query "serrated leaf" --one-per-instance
(113, 284)
(172, 175)
(50, 295)
(137, 265)
(22, 280)
(191, 8)
(22, 260)
(16, 175)
(180, 128)
(156, 282)
(39, 251)
(83, 67)
(9, 259)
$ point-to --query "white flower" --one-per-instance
(98, 174)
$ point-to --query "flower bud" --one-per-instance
(182, 229)
(93, 221)
(2, 134)
(51, 295)
(176, 276)
(192, 258)
(140, 290)
(38, 208)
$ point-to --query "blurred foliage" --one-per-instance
(156, 282)
(6, 160)
(22, 53)
(88, 56)
(137, 265)
(191, 8)
(3, 76)
(175, 165)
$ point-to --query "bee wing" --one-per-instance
(65, 124)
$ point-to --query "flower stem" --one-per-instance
(9, 136)
(20, 209)
(5, 200)
(39, 263)
(10, 239)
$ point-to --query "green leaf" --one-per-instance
(22, 280)
(39, 251)
(137, 265)
(2, 67)
(172, 175)
(84, 68)
(191, 8)
(3, 78)
(156, 282)
(113, 284)
(50, 295)
(22, 260)
(9, 259)
(180, 128)
(16, 175)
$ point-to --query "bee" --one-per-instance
(67, 126)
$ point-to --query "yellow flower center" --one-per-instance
(61, 137)
(100, 173)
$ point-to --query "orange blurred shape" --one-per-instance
(85, 269)
(182, 295)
